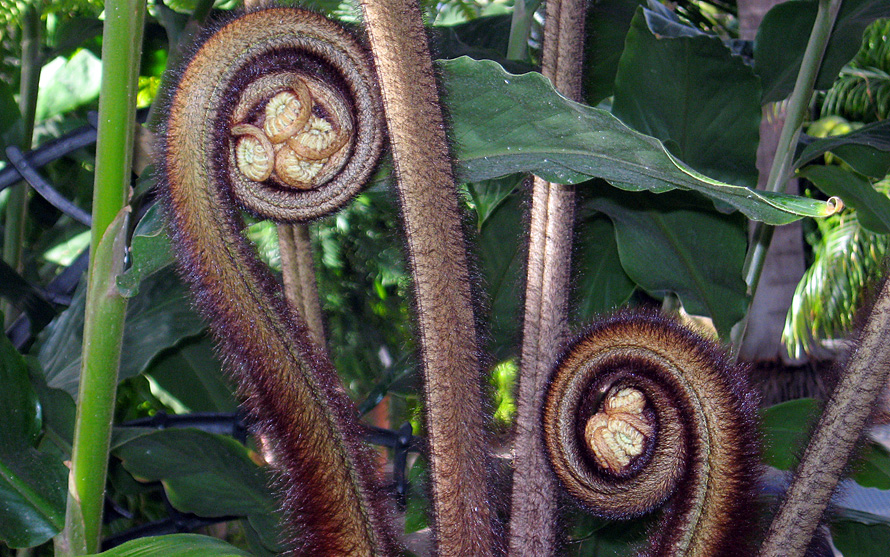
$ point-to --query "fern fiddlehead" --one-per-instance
(641, 413)
(276, 112)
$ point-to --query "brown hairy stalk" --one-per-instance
(533, 505)
(438, 260)
(836, 435)
(298, 274)
(641, 413)
(276, 111)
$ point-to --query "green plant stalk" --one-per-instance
(121, 51)
(798, 104)
(520, 26)
(103, 332)
(17, 203)
(103, 328)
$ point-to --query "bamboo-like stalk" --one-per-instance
(17, 202)
(798, 104)
(103, 331)
(103, 328)
(533, 507)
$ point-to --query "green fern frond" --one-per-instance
(862, 90)
(875, 50)
(11, 10)
(847, 260)
(859, 94)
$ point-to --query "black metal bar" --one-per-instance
(45, 154)
(58, 291)
(230, 423)
(44, 188)
(400, 464)
(58, 148)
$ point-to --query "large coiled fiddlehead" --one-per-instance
(276, 112)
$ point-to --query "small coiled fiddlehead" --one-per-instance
(641, 412)
(277, 112)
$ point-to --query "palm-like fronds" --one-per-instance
(847, 260)
(862, 91)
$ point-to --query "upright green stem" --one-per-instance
(795, 114)
(520, 26)
(103, 329)
(121, 51)
(17, 203)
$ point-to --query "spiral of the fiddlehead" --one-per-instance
(276, 111)
(286, 111)
(641, 413)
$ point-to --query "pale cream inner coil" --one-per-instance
(618, 433)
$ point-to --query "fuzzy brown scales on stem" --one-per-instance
(289, 66)
(642, 413)
(455, 420)
(533, 529)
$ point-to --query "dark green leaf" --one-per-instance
(786, 427)
(183, 545)
(32, 492)
(867, 149)
(505, 124)
(601, 285)
(872, 207)
(149, 251)
(73, 32)
(606, 26)
(501, 247)
(855, 539)
(418, 509)
(399, 378)
(489, 194)
(695, 96)
(9, 117)
(483, 38)
(783, 35)
(594, 537)
(191, 374)
(872, 467)
(32, 483)
(205, 474)
(157, 318)
(57, 408)
(267, 529)
(25, 296)
(674, 243)
(20, 413)
(666, 24)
